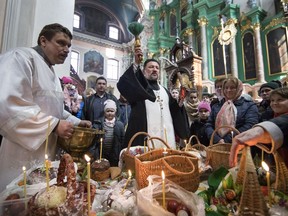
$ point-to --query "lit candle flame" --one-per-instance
(129, 173)
(265, 166)
(46, 157)
(87, 158)
(163, 175)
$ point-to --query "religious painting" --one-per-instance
(249, 56)
(218, 59)
(173, 25)
(277, 46)
(93, 62)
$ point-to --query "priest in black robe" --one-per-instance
(144, 94)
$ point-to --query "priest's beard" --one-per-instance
(154, 84)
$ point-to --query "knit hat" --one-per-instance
(204, 105)
(110, 104)
(66, 80)
(272, 85)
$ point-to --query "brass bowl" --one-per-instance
(81, 140)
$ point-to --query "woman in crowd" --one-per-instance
(235, 111)
(191, 106)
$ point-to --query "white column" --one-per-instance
(203, 23)
(24, 20)
(259, 57)
(233, 54)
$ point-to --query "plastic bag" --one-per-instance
(148, 205)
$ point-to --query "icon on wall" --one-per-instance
(93, 62)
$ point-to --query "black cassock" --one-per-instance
(136, 89)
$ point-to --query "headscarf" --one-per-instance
(228, 112)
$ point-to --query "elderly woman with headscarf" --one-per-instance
(233, 110)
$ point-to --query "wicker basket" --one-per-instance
(179, 167)
(198, 146)
(252, 201)
(218, 154)
(128, 158)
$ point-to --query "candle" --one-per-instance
(87, 158)
(47, 171)
(165, 151)
(145, 143)
(47, 135)
(186, 145)
(266, 167)
(24, 181)
(165, 133)
(262, 156)
(101, 146)
(127, 182)
(163, 190)
(232, 134)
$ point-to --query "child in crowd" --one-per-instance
(114, 134)
(198, 126)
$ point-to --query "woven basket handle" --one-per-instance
(216, 130)
(133, 138)
(176, 171)
(158, 138)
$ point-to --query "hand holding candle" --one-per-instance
(127, 182)
(163, 190)
(47, 172)
(87, 158)
(266, 167)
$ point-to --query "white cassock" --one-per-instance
(31, 95)
(159, 119)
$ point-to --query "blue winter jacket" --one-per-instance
(247, 117)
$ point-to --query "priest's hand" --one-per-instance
(64, 129)
(138, 55)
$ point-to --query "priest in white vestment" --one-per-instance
(31, 97)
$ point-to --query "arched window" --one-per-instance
(112, 69)
(76, 21)
(75, 60)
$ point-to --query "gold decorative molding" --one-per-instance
(173, 11)
(202, 21)
(275, 22)
(152, 17)
(162, 50)
(231, 21)
(189, 31)
(256, 26)
(150, 55)
(215, 31)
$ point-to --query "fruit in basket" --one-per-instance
(172, 206)
(14, 209)
(182, 210)
(229, 194)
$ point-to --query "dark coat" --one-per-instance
(88, 107)
(118, 136)
(247, 117)
(136, 89)
(198, 128)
